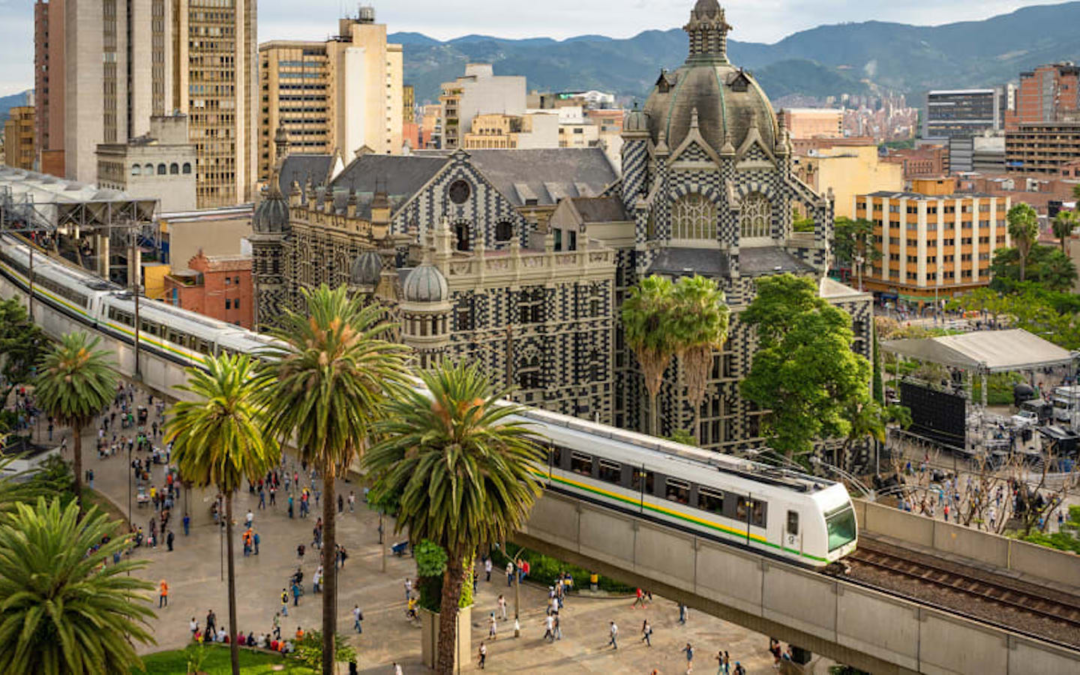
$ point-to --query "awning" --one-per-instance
(993, 351)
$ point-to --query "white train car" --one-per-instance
(779, 513)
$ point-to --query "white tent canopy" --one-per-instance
(986, 351)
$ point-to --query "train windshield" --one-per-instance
(841, 527)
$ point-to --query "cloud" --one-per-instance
(753, 20)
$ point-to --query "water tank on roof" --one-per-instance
(367, 14)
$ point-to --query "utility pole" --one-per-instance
(135, 274)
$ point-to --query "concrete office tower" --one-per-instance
(215, 82)
(102, 69)
(962, 112)
(478, 92)
(336, 96)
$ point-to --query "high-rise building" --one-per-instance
(962, 112)
(478, 92)
(1042, 148)
(19, 138)
(1045, 94)
(934, 242)
(49, 85)
(336, 96)
(102, 69)
(814, 122)
(215, 76)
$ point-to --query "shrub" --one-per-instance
(545, 569)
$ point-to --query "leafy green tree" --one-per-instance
(1076, 192)
(804, 371)
(309, 651)
(464, 472)
(22, 344)
(63, 607)
(1046, 266)
(1064, 224)
(800, 224)
(1024, 230)
(218, 440)
(647, 315)
(329, 379)
(853, 244)
(700, 323)
(75, 383)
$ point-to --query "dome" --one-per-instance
(426, 284)
(271, 215)
(366, 269)
(728, 99)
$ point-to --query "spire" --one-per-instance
(281, 151)
(708, 31)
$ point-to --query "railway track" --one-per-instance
(976, 594)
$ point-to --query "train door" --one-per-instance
(793, 532)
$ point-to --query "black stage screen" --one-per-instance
(935, 415)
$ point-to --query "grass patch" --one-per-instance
(545, 570)
(215, 663)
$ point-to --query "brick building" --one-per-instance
(1045, 94)
(1043, 148)
(219, 287)
(928, 160)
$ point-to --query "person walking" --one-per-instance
(163, 594)
(558, 626)
(408, 589)
(211, 621)
(689, 651)
(262, 497)
(284, 602)
(502, 607)
(169, 540)
(487, 569)
(255, 541)
(646, 633)
(358, 616)
(549, 628)
(187, 524)
(721, 667)
(613, 631)
(493, 626)
(193, 627)
(509, 574)
(296, 590)
(352, 502)
(340, 504)
(483, 656)
(249, 519)
(639, 600)
(684, 613)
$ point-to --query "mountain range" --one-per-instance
(852, 58)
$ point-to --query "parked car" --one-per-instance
(1025, 418)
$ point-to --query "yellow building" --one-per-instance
(215, 82)
(813, 122)
(336, 96)
(19, 138)
(848, 171)
(934, 243)
(512, 132)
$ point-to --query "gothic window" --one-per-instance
(461, 231)
(694, 217)
(756, 219)
(529, 373)
(459, 192)
(531, 305)
(504, 231)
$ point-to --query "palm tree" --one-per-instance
(700, 325)
(646, 316)
(1024, 231)
(76, 382)
(1063, 226)
(1058, 272)
(328, 381)
(866, 419)
(64, 607)
(218, 440)
(14, 487)
(462, 470)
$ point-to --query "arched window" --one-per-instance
(148, 169)
(693, 216)
(187, 168)
(756, 219)
(135, 171)
(174, 169)
(504, 231)
(161, 169)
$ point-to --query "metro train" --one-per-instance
(776, 512)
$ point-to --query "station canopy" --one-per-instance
(989, 351)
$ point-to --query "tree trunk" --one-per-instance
(448, 610)
(234, 648)
(329, 595)
(654, 413)
(76, 448)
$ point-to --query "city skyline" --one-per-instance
(766, 22)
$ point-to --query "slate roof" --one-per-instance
(766, 260)
(299, 167)
(600, 209)
(685, 261)
(545, 175)
(398, 176)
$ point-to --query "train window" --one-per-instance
(555, 453)
(610, 472)
(842, 528)
(147, 327)
(580, 463)
(637, 478)
(750, 511)
(678, 491)
(793, 522)
(710, 500)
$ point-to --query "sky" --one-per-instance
(753, 20)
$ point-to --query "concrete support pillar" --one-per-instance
(101, 247)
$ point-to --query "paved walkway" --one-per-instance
(193, 571)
